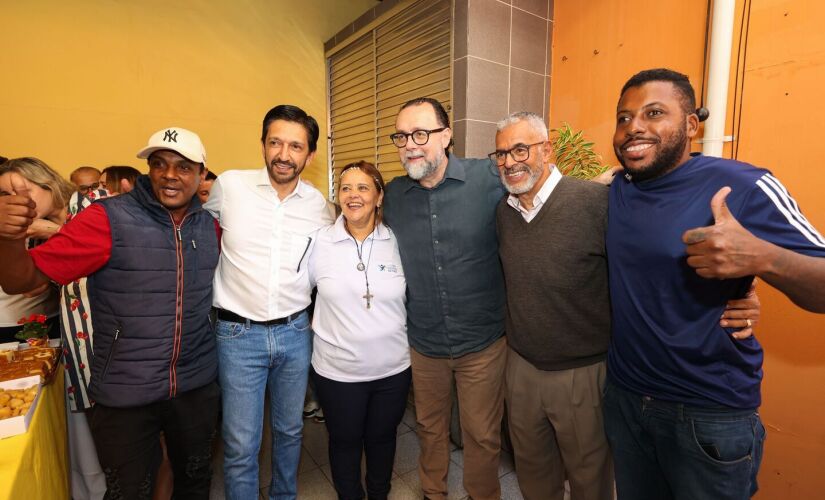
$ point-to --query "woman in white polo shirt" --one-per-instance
(360, 358)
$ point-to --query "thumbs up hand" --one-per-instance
(17, 209)
(725, 249)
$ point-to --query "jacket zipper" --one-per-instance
(112, 349)
(176, 347)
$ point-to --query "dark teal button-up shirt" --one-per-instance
(449, 249)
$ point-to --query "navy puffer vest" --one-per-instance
(150, 303)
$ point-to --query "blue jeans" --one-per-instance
(663, 450)
(252, 358)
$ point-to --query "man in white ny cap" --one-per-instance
(150, 256)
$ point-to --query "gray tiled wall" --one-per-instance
(501, 65)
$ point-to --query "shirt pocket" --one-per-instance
(296, 250)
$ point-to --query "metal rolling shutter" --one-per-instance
(352, 104)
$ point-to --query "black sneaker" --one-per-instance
(319, 416)
(310, 409)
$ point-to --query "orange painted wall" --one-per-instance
(782, 116)
(599, 44)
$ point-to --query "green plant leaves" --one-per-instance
(574, 155)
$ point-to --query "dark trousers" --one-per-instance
(362, 416)
(666, 451)
(128, 444)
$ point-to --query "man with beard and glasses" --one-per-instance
(685, 234)
(261, 295)
(551, 240)
(443, 213)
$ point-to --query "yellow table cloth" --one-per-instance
(35, 465)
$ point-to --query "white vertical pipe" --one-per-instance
(721, 42)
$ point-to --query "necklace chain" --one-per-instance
(361, 267)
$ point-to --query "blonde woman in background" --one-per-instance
(51, 194)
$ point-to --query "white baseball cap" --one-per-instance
(182, 141)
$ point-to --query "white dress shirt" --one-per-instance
(541, 197)
(261, 273)
(353, 343)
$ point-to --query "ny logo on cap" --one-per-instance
(170, 136)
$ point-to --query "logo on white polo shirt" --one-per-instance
(388, 268)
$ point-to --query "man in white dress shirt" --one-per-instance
(261, 294)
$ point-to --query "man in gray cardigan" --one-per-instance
(551, 241)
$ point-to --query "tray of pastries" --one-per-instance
(16, 402)
(42, 361)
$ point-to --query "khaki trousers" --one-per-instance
(557, 431)
(479, 379)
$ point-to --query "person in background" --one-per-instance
(85, 179)
(87, 479)
(120, 179)
(206, 186)
(360, 357)
(51, 193)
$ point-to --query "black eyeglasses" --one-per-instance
(420, 137)
(85, 188)
(519, 152)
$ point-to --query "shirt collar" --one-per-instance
(263, 180)
(340, 233)
(543, 194)
(455, 170)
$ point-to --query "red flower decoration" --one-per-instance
(85, 315)
(33, 328)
